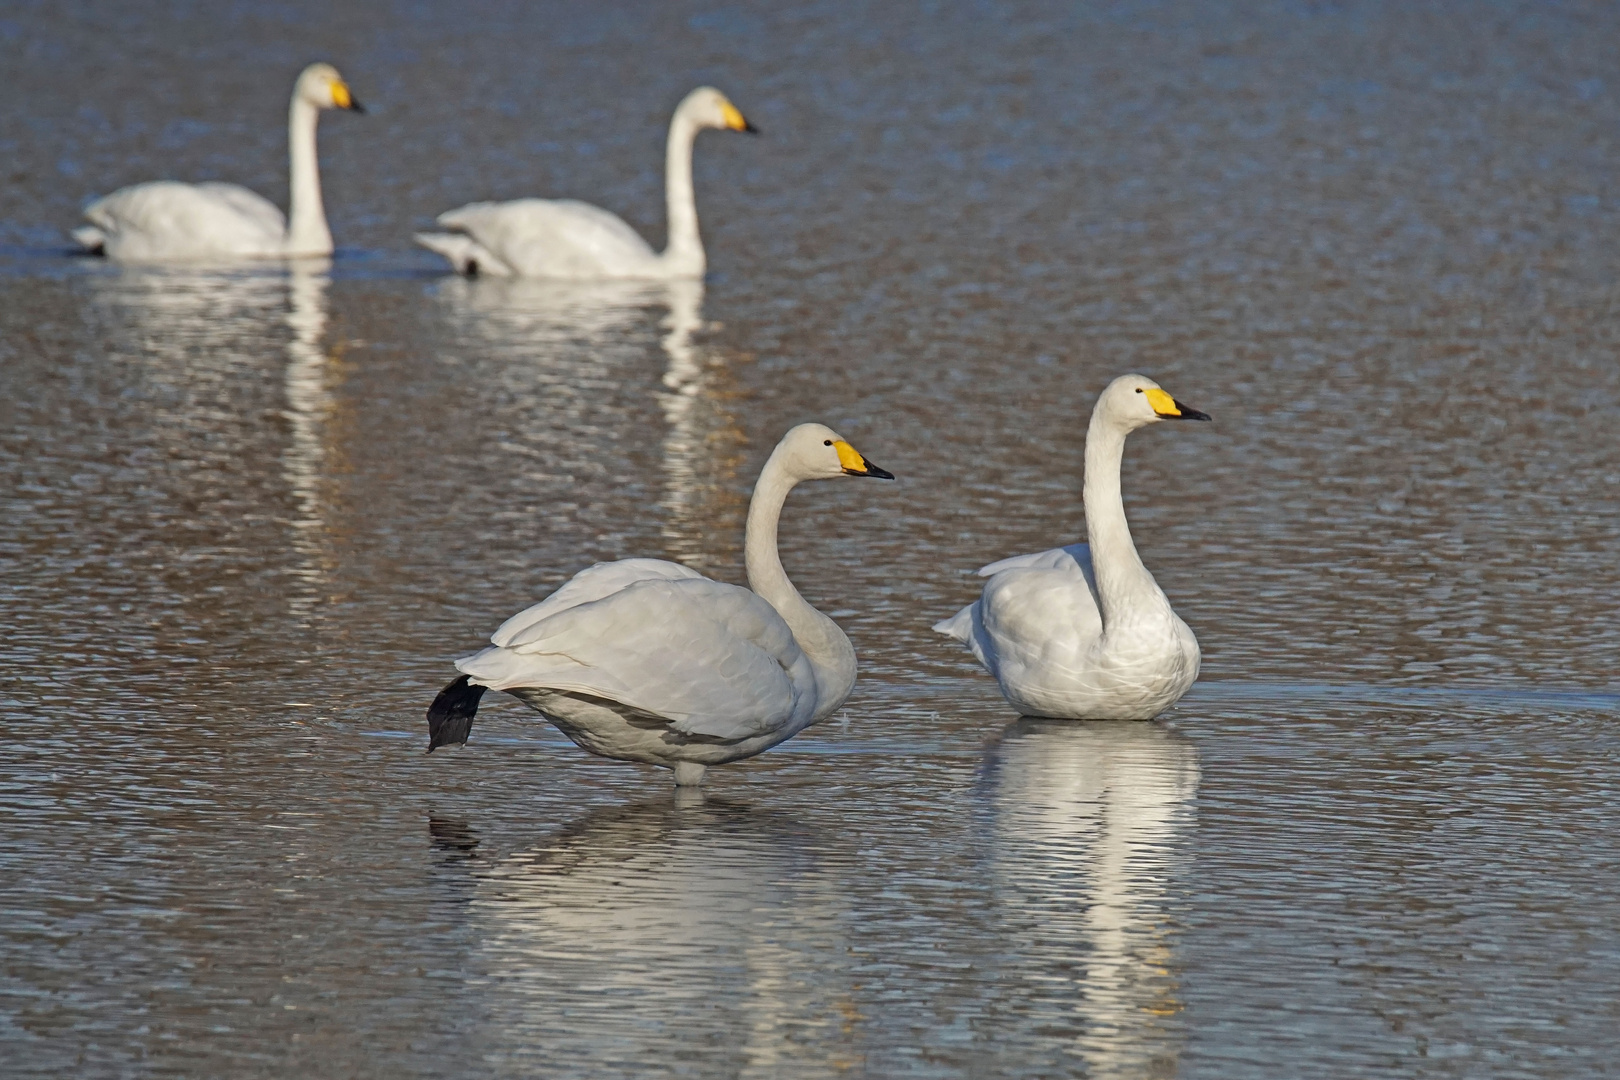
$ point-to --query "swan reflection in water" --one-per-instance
(577, 388)
(205, 339)
(1091, 824)
(307, 465)
(704, 444)
(656, 936)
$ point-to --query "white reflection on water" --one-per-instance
(1091, 822)
(644, 936)
(527, 315)
(574, 379)
(192, 328)
(310, 402)
(704, 444)
(208, 339)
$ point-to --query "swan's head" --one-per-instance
(1136, 401)
(707, 107)
(817, 452)
(324, 88)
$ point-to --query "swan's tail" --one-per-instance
(451, 715)
(92, 239)
(958, 626)
(967, 626)
(467, 255)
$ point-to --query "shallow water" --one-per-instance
(251, 515)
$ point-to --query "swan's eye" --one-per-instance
(826, 442)
(1138, 389)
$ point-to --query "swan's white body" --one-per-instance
(167, 221)
(564, 238)
(1084, 632)
(646, 660)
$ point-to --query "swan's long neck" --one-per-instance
(685, 248)
(824, 644)
(1123, 583)
(307, 233)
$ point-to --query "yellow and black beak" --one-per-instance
(735, 120)
(344, 98)
(1168, 408)
(856, 465)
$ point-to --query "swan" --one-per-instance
(565, 238)
(646, 660)
(167, 221)
(1084, 632)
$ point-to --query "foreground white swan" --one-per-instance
(166, 221)
(647, 660)
(564, 238)
(1084, 632)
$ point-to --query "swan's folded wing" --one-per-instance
(592, 583)
(166, 217)
(549, 236)
(1025, 597)
(249, 204)
(586, 225)
(1078, 555)
(713, 659)
(1039, 610)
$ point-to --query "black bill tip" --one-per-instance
(870, 470)
(749, 128)
(1189, 413)
(355, 106)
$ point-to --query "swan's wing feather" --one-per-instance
(592, 583)
(1039, 610)
(1051, 559)
(712, 659)
(585, 223)
(249, 204)
(168, 219)
(552, 237)
(1035, 609)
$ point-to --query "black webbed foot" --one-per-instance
(451, 715)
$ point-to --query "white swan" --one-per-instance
(564, 238)
(646, 660)
(1084, 632)
(166, 221)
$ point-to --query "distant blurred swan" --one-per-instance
(166, 221)
(646, 660)
(1084, 632)
(564, 238)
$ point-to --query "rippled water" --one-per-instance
(251, 515)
